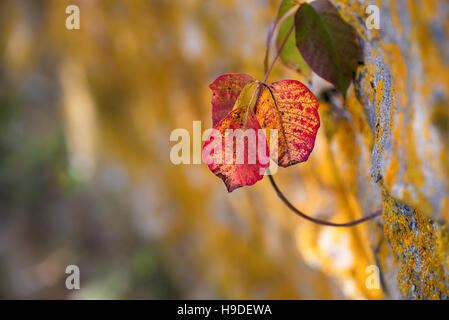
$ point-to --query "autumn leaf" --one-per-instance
(226, 89)
(327, 43)
(291, 108)
(232, 149)
(288, 107)
(290, 55)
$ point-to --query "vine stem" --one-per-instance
(268, 69)
(315, 220)
(273, 183)
(284, 42)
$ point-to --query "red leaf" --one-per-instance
(294, 112)
(226, 89)
(287, 106)
(238, 162)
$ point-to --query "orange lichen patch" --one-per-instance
(380, 127)
(393, 110)
(419, 249)
(369, 71)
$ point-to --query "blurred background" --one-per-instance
(86, 178)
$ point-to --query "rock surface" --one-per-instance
(403, 87)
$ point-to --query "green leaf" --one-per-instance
(285, 6)
(328, 43)
(290, 55)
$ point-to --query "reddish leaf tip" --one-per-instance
(225, 91)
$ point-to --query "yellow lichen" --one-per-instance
(418, 249)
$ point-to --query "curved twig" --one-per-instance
(276, 24)
(284, 42)
(315, 220)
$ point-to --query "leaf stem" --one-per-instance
(268, 69)
(284, 42)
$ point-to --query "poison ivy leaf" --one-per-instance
(287, 106)
(290, 55)
(291, 108)
(234, 156)
(328, 43)
(226, 89)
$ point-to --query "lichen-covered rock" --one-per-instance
(403, 86)
(419, 246)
